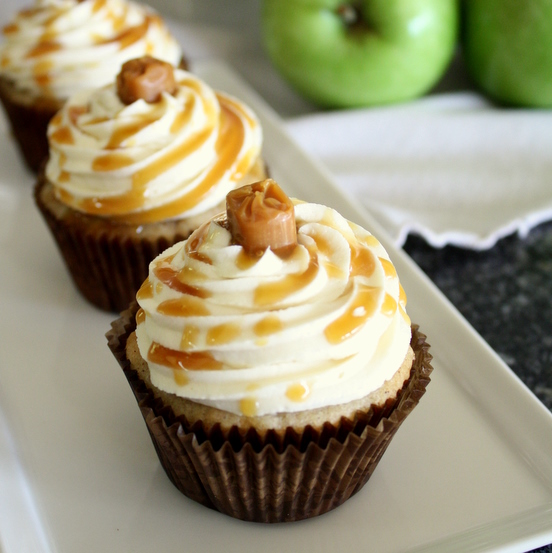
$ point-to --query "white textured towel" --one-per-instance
(449, 167)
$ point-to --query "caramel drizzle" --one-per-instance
(271, 293)
(363, 262)
(43, 48)
(10, 29)
(249, 406)
(62, 135)
(186, 306)
(298, 392)
(362, 307)
(48, 45)
(170, 277)
(182, 360)
(131, 35)
(388, 268)
(228, 146)
(140, 316)
(124, 132)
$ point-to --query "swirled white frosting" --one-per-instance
(324, 326)
(59, 47)
(151, 161)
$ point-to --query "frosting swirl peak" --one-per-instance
(321, 325)
(59, 47)
(151, 160)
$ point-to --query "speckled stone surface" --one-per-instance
(506, 294)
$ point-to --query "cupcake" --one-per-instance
(272, 357)
(136, 166)
(59, 47)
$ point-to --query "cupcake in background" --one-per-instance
(272, 357)
(59, 47)
(136, 166)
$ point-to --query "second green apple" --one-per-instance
(361, 53)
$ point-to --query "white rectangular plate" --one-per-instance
(470, 470)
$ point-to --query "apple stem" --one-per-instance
(349, 14)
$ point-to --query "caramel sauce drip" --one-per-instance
(98, 5)
(389, 306)
(180, 377)
(62, 135)
(57, 119)
(75, 112)
(349, 323)
(371, 241)
(5, 61)
(325, 249)
(182, 360)
(363, 262)
(30, 12)
(298, 392)
(140, 316)
(194, 243)
(267, 326)
(118, 22)
(249, 406)
(183, 118)
(40, 72)
(189, 338)
(228, 146)
(388, 268)
(186, 306)
(402, 296)
(170, 277)
(145, 291)
(271, 293)
(108, 162)
(245, 261)
(222, 334)
(42, 48)
(124, 132)
(10, 29)
(131, 35)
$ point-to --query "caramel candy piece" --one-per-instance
(145, 78)
(260, 215)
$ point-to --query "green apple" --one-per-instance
(507, 47)
(360, 53)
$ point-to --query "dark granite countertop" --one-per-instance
(506, 294)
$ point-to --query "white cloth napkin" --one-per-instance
(449, 167)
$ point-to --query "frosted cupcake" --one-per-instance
(60, 47)
(136, 166)
(268, 349)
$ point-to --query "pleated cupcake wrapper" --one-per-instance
(29, 123)
(107, 262)
(280, 477)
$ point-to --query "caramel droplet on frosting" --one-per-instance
(145, 78)
(260, 215)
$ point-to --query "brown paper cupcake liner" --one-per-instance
(277, 477)
(29, 118)
(108, 260)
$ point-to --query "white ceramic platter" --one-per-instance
(470, 470)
